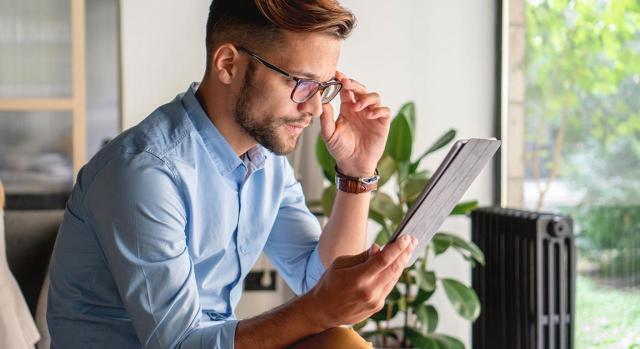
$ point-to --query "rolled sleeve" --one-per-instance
(140, 218)
(292, 245)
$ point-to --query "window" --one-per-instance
(572, 126)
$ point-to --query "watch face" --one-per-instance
(370, 180)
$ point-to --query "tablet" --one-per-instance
(452, 179)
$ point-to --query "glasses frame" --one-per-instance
(320, 86)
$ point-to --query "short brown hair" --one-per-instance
(261, 22)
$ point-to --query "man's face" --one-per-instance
(263, 107)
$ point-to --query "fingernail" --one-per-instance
(414, 241)
(406, 240)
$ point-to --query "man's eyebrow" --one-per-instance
(308, 75)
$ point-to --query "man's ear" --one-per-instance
(225, 61)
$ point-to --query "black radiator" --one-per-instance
(527, 287)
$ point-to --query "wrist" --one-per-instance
(354, 171)
(310, 310)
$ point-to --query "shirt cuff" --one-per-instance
(315, 270)
(220, 335)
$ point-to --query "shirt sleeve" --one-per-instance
(292, 245)
(139, 217)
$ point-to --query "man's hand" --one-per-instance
(355, 287)
(358, 137)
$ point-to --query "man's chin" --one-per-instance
(285, 146)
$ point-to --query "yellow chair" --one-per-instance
(335, 338)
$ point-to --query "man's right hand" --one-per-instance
(355, 287)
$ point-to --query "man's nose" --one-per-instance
(313, 106)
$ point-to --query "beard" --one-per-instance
(263, 129)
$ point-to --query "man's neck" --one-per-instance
(216, 106)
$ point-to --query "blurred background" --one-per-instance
(557, 81)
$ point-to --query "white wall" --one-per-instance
(162, 50)
(439, 54)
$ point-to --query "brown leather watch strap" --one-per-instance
(356, 185)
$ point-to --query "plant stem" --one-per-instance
(406, 281)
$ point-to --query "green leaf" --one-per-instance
(412, 187)
(378, 218)
(382, 237)
(441, 142)
(433, 341)
(440, 244)
(326, 161)
(421, 297)
(463, 299)
(389, 311)
(428, 316)
(383, 204)
(400, 141)
(328, 197)
(386, 167)
(409, 111)
(422, 341)
(394, 295)
(426, 280)
(465, 207)
(460, 244)
(360, 325)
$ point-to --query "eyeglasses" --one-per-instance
(305, 88)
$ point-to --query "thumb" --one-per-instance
(327, 125)
(351, 261)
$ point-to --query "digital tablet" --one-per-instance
(452, 179)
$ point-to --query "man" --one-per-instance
(166, 221)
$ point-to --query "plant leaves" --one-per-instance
(326, 161)
(438, 144)
(382, 237)
(386, 167)
(432, 340)
(399, 142)
(360, 325)
(465, 207)
(409, 111)
(328, 197)
(463, 299)
(412, 187)
(440, 244)
(421, 297)
(428, 316)
(378, 218)
(426, 280)
(389, 311)
(460, 244)
(383, 204)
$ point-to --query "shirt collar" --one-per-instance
(221, 151)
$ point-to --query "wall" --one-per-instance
(439, 54)
(162, 43)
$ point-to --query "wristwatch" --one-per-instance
(356, 185)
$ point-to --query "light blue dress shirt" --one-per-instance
(161, 229)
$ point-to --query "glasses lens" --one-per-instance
(304, 90)
(330, 92)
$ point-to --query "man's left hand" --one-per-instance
(356, 139)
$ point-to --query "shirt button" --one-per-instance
(243, 249)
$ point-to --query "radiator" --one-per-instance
(527, 287)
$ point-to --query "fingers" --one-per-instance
(374, 112)
(327, 124)
(368, 100)
(392, 273)
(354, 86)
(389, 255)
(350, 261)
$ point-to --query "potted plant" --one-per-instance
(408, 319)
